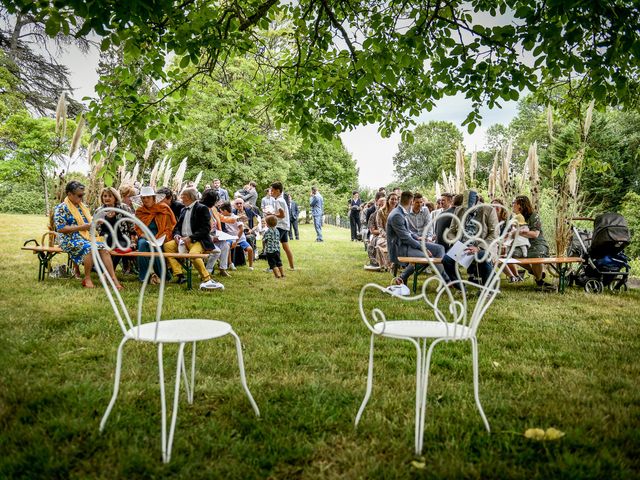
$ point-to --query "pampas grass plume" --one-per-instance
(176, 185)
(197, 180)
(77, 136)
(588, 118)
(147, 151)
(61, 114)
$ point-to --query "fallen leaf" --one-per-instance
(553, 434)
(495, 364)
(534, 434)
(416, 464)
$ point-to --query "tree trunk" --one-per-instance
(13, 44)
(43, 176)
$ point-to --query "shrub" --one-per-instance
(17, 198)
(629, 209)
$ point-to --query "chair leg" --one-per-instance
(176, 397)
(419, 395)
(116, 384)
(243, 378)
(426, 366)
(367, 394)
(190, 385)
(193, 371)
(476, 387)
(163, 406)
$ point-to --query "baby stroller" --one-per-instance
(604, 262)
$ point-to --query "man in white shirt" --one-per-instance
(282, 214)
(267, 205)
(418, 216)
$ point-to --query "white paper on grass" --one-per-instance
(457, 252)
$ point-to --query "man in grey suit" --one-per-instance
(316, 203)
(402, 243)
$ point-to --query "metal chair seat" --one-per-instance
(422, 329)
(179, 331)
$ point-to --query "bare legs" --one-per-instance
(88, 265)
(535, 270)
(287, 250)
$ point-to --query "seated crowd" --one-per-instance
(393, 225)
(209, 222)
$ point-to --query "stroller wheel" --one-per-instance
(618, 287)
(593, 286)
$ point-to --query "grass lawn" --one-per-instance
(546, 360)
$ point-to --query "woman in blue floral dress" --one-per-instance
(73, 222)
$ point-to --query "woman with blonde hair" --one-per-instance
(125, 231)
(73, 222)
(382, 253)
(127, 192)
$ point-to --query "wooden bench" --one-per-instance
(45, 255)
(560, 265)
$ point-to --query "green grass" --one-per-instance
(546, 360)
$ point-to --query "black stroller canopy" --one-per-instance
(610, 234)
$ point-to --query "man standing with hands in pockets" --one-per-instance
(317, 209)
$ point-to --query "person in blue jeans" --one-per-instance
(317, 210)
(160, 220)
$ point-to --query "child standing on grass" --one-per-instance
(271, 243)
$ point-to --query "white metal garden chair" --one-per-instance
(157, 331)
(452, 315)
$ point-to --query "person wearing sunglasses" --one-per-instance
(72, 220)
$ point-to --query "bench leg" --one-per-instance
(418, 270)
(187, 267)
(44, 260)
(562, 277)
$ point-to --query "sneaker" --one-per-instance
(251, 269)
(232, 267)
(515, 279)
(211, 285)
(223, 273)
(268, 270)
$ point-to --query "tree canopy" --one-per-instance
(419, 163)
(341, 64)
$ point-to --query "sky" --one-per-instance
(372, 153)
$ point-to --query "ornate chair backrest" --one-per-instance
(123, 314)
(448, 304)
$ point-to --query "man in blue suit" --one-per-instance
(317, 209)
(401, 242)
